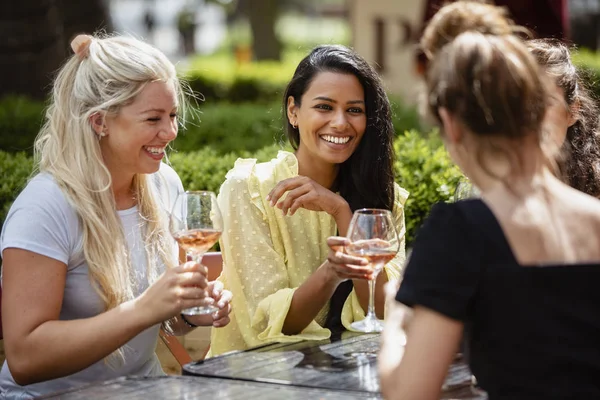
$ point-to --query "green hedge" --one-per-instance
(589, 62)
(220, 78)
(225, 126)
(15, 168)
(20, 122)
(423, 168)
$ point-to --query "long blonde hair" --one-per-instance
(107, 76)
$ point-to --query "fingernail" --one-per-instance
(268, 197)
(271, 203)
(220, 304)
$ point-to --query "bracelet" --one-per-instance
(188, 323)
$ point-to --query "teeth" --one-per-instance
(155, 150)
(336, 139)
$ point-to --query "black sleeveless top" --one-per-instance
(531, 331)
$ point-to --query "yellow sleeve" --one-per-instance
(352, 310)
(254, 264)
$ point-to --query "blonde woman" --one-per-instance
(89, 269)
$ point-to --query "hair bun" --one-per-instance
(460, 17)
(81, 45)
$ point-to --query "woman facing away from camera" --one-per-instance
(89, 270)
(515, 270)
(286, 269)
(572, 118)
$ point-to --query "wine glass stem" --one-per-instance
(371, 307)
(195, 256)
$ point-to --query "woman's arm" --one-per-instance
(432, 340)
(314, 293)
(303, 192)
(39, 346)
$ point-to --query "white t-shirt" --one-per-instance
(42, 220)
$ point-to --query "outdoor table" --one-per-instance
(192, 388)
(346, 362)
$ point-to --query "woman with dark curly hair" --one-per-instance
(289, 280)
(572, 117)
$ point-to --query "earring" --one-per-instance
(294, 126)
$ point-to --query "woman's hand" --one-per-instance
(306, 193)
(222, 300)
(343, 266)
(178, 288)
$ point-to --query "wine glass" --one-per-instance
(196, 224)
(373, 236)
(465, 190)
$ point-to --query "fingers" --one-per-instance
(348, 271)
(193, 293)
(294, 199)
(221, 322)
(337, 243)
(215, 289)
(224, 299)
(191, 274)
(300, 201)
(283, 186)
(221, 317)
(338, 257)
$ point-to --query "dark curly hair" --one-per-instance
(579, 161)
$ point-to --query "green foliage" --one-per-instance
(221, 77)
(231, 127)
(20, 122)
(206, 169)
(404, 116)
(424, 169)
(15, 168)
(226, 127)
(589, 63)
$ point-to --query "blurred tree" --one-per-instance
(84, 17)
(36, 36)
(262, 15)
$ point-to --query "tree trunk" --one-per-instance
(87, 16)
(263, 15)
(32, 48)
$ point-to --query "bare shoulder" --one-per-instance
(580, 204)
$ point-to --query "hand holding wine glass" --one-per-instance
(373, 236)
(196, 224)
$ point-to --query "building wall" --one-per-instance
(386, 32)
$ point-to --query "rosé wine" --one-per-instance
(197, 240)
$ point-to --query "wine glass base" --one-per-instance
(368, 325)
(200, 310)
